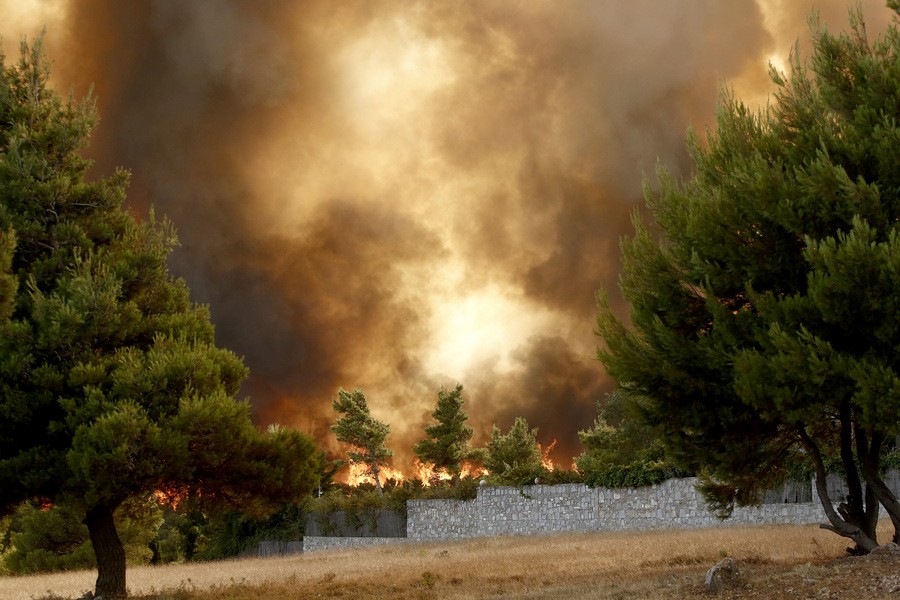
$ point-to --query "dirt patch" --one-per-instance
(851, 578)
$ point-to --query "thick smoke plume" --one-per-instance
(400, 196)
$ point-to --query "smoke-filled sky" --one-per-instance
(400, 196)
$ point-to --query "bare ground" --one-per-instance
(775, 562)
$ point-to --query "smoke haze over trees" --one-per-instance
(402, 196)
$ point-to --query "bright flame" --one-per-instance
(168, 498)
(427, 474)
(472, 471)
(546, 461)
(359, 474)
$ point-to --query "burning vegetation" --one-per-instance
(444, 456)
(425, 474)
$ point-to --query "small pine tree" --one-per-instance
(358, 428)
(517, 449)
(617, 438)
(447, 445)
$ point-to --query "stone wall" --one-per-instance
(574, 507)
(314, 543)
(541, 509)
(892, 480)
(837, 490)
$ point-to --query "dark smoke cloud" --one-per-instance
(344, 175)
(551, 392)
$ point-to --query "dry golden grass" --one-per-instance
(662, 564)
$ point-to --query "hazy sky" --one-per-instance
(402, 195)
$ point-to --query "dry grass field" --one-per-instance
(776, 562)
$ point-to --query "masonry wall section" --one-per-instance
(315, 543)
(575, 507)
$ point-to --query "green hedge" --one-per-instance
(639, 474)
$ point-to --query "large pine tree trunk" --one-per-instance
(864, 543)
(109, 552)
(854, 511)
(870, 461)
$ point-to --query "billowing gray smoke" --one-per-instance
(399, 196)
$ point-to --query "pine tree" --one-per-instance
(363, 432)
(615, 438)
(515, 450)
(8, 282)
(447, 445)
(111, 385)
(765, 316)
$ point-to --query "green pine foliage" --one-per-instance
(175, 539)
(44, 539)
(365, 434)
(236, 533)
(54, 539)
(513, 455)
(622, 451)
(447, 444)
(8, 282)
(111, 384)
(764, 294)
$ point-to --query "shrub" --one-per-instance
(44, 539)
(637, 474)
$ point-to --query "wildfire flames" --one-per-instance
(169, 497)
(546, 461)
(359, 474)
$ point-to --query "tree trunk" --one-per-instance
(375, 473)
(109, 552)
(872, 510)
(870, 461)
(455, 476)
(855, 510)
(872, 454)
(864, 543)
